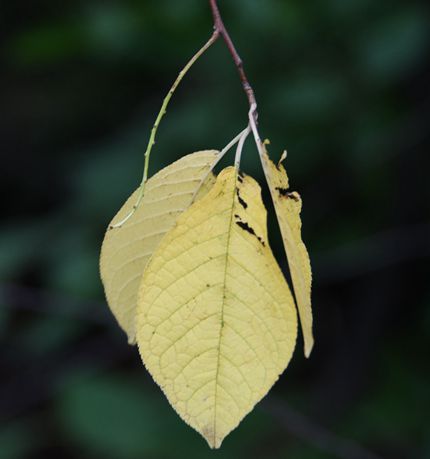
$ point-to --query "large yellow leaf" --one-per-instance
(216, 321)
(288, 206)
(127, 249)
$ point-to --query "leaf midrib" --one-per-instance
(223, 303)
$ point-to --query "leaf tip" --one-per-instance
(309, 345)
(131, 340)
(213, 439)
(213, 443)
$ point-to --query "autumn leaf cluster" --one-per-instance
(191, 278)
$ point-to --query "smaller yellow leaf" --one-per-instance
(288, 206)
(126, 250)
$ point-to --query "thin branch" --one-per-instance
(312, 433)
(220, 28)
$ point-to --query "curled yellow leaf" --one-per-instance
(288, 206)
(127, 249)
(216, 321)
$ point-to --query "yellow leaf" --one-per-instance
(216, 321)
(288, 206)
(127, 249)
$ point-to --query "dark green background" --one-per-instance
(343, 84)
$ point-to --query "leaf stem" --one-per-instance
(161, 113)
(219, 30)
(232, 143)
(239, 148)
(253, 125)
(221, 155)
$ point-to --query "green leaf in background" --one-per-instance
(76, 275)
(17, 440)
(311, 95)
(398, 407)
(120, 418)
(394, 45)
(4, 316)
(47, 333)
(19, 243)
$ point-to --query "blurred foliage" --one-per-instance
(135, 423)
(343, 84)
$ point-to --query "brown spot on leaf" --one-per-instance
(287, 194)
(282, 191)
(250, 230)
(241, 201)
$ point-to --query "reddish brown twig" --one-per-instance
(220, 29)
